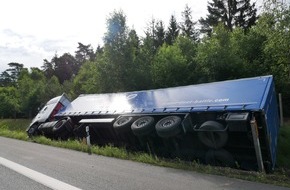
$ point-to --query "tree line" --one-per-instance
(231, 42)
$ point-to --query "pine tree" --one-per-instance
(188, 26)
(247, 14)
(14, 70)
(172, 31)
(159, 34)
(84, 53)
(232, 13)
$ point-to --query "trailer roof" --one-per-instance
(241, 94)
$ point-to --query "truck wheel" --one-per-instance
(46, 128)
(33, 130)
(143, 126)
(168, 126)
(61, 125)
(219, 157)
(123, 122)
(212, 134)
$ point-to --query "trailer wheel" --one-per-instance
(143, 126)
(213, 134)
(219, 157)
(123, 122)
(168, 126)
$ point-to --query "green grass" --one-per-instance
(15, 124)
(16, 129)
(283, 158)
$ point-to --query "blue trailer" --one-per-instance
(232, 123)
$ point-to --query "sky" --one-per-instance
(34, 30)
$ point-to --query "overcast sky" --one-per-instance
(33, 30)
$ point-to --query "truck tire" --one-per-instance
(213, 134)
(168, 126)
(61, 125)
(143, 126)
(33, 130)
(219, 157)
(46, 128)
(123, 123)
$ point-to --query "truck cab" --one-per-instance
(47, 113)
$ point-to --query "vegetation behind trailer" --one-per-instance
(232, 123)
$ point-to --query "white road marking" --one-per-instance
(36, 176)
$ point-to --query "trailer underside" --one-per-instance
(214, 138)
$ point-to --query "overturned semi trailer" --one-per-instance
(232, 123)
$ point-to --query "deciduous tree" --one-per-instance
(169, 67)
(216, 58)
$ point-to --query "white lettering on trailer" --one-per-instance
(36, 176)
(218, 100)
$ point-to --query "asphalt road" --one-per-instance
(10, 179)
(97, 172)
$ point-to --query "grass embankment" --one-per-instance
(16, 129)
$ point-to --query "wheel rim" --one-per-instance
(122, 121)
(167, 123)
(168, 126)
(58, 124)
(31, 130)
(142, 123)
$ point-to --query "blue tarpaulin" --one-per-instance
(242, 94)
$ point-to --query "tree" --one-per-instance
(274, 25)
(117, 30)
(31, 90)
(159, 36)
(14, 70)
(169, 67)
(52, 89)
(172, 31)
(188, 49)
(232, 13)
(5, 79)
(87, 81)
(247, 15)
(48, 68)
(155, 32)
(63, 67)
(139, 60)
(133, 44)
(10, 76)
(217, 58)
(84, 53)
(145, 59)
(187, 25)
(249, 48)
(132, 50)
(9, 102)
(113, 64)
(99, 51)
